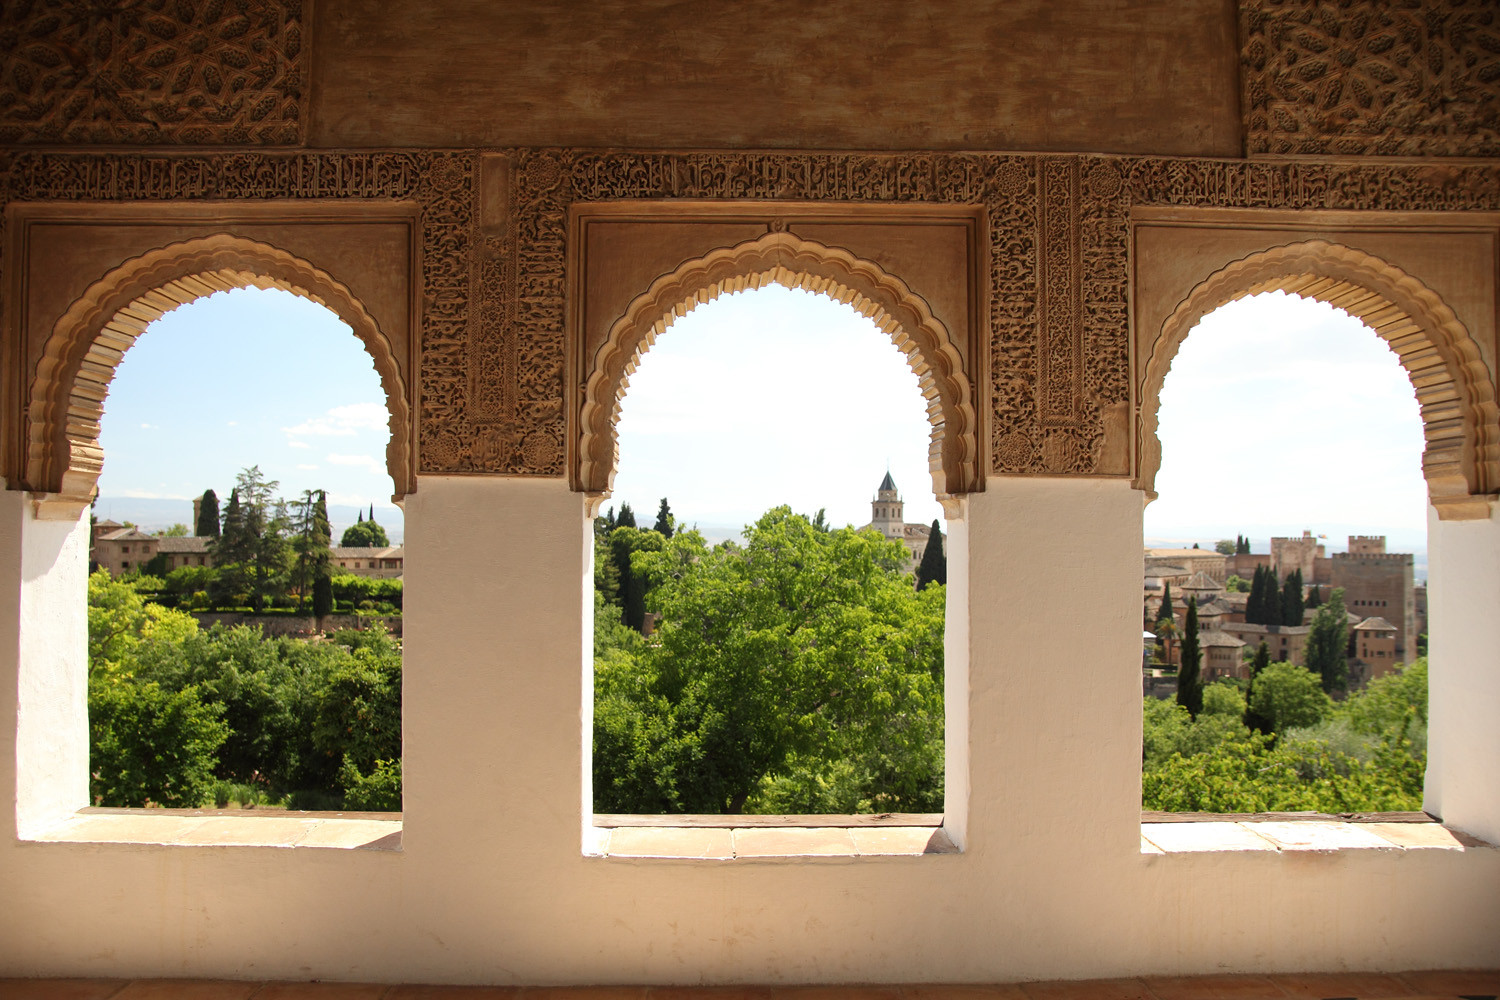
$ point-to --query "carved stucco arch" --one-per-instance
(63, 457)
(1461, 461)
(786, 259)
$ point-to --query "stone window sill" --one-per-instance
(1301, 835)
(229, 828)
(740, 838)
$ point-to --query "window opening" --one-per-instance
(760, 642)
(1271, 405)
(237, 663)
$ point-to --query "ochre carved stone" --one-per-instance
(180, 72)
(492, 295)
(1392, 77)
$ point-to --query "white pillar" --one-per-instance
(43, 663)
(492, 691)
(1054, 656)
(1463, 724)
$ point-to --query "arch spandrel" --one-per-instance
(67, 392)
(786, 259)
(1454, 389)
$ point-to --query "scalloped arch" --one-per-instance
(1461, 462)
(63, 458)
(785, 259)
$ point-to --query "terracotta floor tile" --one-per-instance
(1090, 989)
(186, 989)
(774, 842)
(410, 992)
(1364, 985)
(585, 993)
(1005, 991)
(323, 991)
(842, 991)
(60, 989)
(1213, 988)
(1455, 983)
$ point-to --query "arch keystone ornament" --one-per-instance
(783, 258)
(66, 396)
(1461, 422)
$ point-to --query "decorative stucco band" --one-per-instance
(67, 393)
(782, 258)
(493, 275)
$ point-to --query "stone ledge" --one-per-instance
(759, 842)
(1304, 835)
(264, 829)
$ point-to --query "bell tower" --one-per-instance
(887, 510)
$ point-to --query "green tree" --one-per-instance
(1224, 547)
(664, 520)
(798, 671)
(626, 518)
(365, 534)
(322, 597)
(1237, 584)
(1241, 545)
(1291, 599)
(1166, 603)
(1328, 644)
(311, 536)
(624, 542)
(1253, 719)
(208, 516)
(934, 565)
(1189, 675)
(178, 530)
(150, 746)
(1289, 697)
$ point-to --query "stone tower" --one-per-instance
(887, 510)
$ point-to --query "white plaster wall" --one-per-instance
(1463, 593)
(491, 885)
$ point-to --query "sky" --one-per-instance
(241, 378)
(1279, 414)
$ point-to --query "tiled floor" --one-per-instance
(1336, 986)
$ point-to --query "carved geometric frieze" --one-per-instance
(179, 72)
(494, 250)
(1390, 77)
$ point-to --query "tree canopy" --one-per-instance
(797, 672)
(934, 565)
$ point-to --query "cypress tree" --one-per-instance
(208, 516)
(322, 597)
(934, 565)
(1189, 675)
(1291, 599)
(627, 517)
(1243, 548)
(663, 519)
(1254, 720)
(1257, 599)
(1166, 602)
(1328, 644)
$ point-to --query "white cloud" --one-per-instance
(149, 427)
(359, 461)
(343, 421)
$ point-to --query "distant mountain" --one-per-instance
(154, 514)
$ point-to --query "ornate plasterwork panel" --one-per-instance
(180, 72)
(1392, 77)
(492, 352)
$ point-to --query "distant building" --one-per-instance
(887, 517)
(382, 563)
